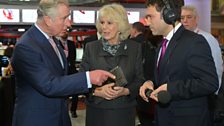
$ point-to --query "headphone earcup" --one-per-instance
(169, 16)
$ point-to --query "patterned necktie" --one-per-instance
(56, 50)
(163, 50)
(65, 44)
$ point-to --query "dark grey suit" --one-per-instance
(129, 58)
(190, 74)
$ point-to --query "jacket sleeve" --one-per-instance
(34, 69)
(198, 77)
(138, 77)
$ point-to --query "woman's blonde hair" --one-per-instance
(116, 13)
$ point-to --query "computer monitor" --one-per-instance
(79, 54)
(84, 17)
(133, 16)
(9, 16)
(29, 15)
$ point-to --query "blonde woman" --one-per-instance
(112, 105)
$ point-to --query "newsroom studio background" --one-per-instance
(83, 28)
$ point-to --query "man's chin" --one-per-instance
(187, 27)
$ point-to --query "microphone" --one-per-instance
(164, 97)
(148, 92)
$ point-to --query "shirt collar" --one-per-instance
(45, 34)
(171, 33)
(196, 30)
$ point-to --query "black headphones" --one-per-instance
(169, 14)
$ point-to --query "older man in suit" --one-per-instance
(42, 83)
(184, 68)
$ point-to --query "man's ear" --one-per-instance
(47, 20)
(197, 18)
(135, 31)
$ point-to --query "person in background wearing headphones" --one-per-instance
(185, 69)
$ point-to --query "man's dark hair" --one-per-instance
(175, 5)
(139, 27)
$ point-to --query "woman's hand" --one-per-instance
(106, 91)
(109, 91)
(120, 91)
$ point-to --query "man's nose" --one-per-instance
(68, 22)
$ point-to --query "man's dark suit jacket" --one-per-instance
(148, 56)
(41, 84)
(139, 38)
(190, 74)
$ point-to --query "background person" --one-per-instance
(9, 52)
(137, 32)
(70, 53)
(184, 68)
(40, 66)
(7, 88)
(117, 107)
(189, 19)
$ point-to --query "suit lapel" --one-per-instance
(42, 42)
(163, 72)
(172, 45)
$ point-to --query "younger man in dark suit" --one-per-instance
(184, 68)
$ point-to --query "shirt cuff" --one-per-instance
(89, 85)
